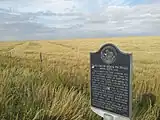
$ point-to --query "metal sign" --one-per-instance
(111, 88)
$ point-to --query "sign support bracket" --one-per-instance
(109, 117)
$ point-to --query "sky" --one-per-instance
(69, 19)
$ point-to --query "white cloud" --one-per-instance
(135, 19)
(40, 5)
(116, 17)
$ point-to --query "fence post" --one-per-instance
(41, 60)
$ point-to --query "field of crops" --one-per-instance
(54, 85)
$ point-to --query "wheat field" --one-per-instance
(49, 79)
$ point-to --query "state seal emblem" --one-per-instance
(108, 54)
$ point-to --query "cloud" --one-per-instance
(126, 19)
(73, 18)
(40, 5)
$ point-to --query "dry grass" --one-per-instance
(60, 90)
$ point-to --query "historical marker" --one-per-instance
(111, 88)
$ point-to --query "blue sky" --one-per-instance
(65, 19)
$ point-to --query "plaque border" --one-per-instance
(130, 82)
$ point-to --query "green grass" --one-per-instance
(27, 93)
(58, 88)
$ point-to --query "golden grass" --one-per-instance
(61, 89)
